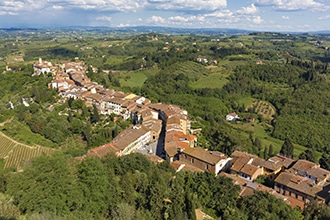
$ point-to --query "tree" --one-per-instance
(287, 148)
(95, 117)
(263, 205)
(48, 184)
(7, 208)
(324, 161)
(315, 210)
(258, 146)
(93, 181)
(271, 150)
(266, 153)
(308, 154)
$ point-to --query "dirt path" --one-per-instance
(16, 142)
(7, 121)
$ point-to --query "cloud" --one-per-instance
(292, 5)
(187, 5)
(248, 10)
(7, 13)
(21, 6)
(324, 17)
(123, 25)
(57, 7)
(7, 7)
(256, 19)
(104, 18)
(220, 14)
(285, 17)
(156, 20)
(96, 5)
(186, 19)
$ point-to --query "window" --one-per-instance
(192, 160)
(207, 167)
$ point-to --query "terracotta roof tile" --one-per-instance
(298, 183)
(249, 169)
(203, 155)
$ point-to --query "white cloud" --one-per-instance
(257, 20)
(324, 17)
(100, 5)
(156, 20)
(104, 18)
(220, 14)
(7, 13)
(188, 5)
(57, 7)
(111, 5)
(123, 25)
(285, 17)
(182, 19)
(248, 10)
(292, 5)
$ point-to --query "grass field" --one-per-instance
(16, 154)
(246, 101)
(216, 79)
(213, 80)
(136, 78)
(258, 130)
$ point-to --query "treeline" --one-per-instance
(129, 187)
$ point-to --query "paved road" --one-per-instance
(155, 148)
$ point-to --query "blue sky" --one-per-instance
(267, 15)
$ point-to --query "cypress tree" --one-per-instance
(287, 148)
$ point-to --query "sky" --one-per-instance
(259, 15)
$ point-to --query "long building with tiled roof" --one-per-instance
(125, 143)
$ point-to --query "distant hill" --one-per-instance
(135, 30)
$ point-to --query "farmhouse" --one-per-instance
(202, 60)
(232, 117)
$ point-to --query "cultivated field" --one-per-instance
(263, 108)
(16, 154)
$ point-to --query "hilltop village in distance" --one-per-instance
(162, 132)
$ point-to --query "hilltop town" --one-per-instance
(167, 128)
(161, 126)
